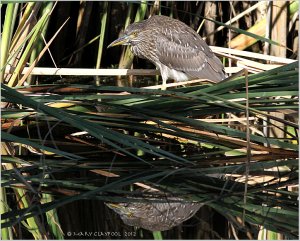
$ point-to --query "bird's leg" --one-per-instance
(164, 83)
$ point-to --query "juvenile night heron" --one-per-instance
(155, 213)
(174, 48)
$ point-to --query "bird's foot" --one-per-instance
(164, 85)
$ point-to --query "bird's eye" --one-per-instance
(134, 34)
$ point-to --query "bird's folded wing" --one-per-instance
(190, 56)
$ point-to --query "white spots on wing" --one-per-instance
(202, 47)
(202, 65)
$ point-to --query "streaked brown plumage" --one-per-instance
(154, 213)
(175, 48)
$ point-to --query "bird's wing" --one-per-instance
(190, 54)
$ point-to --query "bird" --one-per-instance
(174, 48)
(155, 213)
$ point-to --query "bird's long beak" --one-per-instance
(120, 41)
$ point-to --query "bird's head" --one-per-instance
(133, 34)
